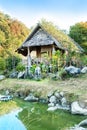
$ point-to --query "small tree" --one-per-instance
(20, 67)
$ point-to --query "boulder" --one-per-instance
(61, 94)
(77, 128)
(72, 70)
(51, 105)
(5, 97)
(2, 77)
(52, 108)
(63, 107)
(13, 74)
(49, 94)
(83, 103)
(77, 109)
(63, 102)
(21, 75)
(31, 98)
(83, 123)
(84, 70)
(52, 99)
(80, 126)
(57, 95)
(38, 71)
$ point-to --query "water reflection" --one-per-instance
(11, 122)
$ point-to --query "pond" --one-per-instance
(34, 116)
(11, 122)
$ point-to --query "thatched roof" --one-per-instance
(42, 36)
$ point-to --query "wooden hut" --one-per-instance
(43, 41)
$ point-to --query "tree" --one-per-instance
(79, 33)
(12, 34)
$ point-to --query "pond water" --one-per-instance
(11, 122)
(36, 117)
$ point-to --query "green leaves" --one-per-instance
(79, 33)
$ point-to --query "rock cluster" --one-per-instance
(56, 101)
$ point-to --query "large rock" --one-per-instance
(21, 75)
(51, 105)
(77, 128)
(49, 94)
(84, 70)
(62, 94)
(13, 74)
(2, 77)
(83, 103)
(37, 71)
(5, 97)
(31, 98)
(77, 109)
(83, 123)
(52, 108)
(63, 107)
(72, 70)
(52, 99)
(80, 126)
(57, 95)
(63, 102)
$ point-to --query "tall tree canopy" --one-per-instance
(79, 33)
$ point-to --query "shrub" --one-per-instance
(12, 62)
(84, 59)
(2, 64)
(63, 74)
(32, 69)
(20, 67)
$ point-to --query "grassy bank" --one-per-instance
(77, 86)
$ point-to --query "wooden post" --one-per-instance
(38, 52)
(53, 50)
(28, 61)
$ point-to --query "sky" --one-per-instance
(63, 13)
